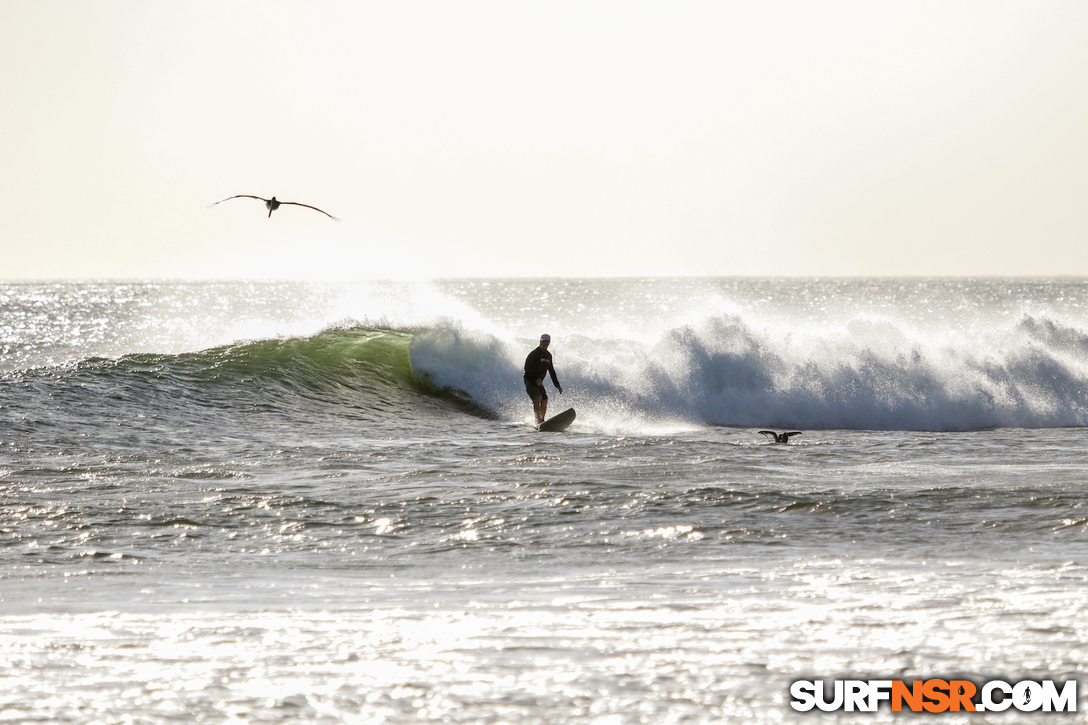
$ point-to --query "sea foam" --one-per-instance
(732, 370)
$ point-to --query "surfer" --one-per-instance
(780, 437)
(537, 365)
(273, 204)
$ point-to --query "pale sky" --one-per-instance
(550, 138)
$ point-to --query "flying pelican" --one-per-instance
(273, 204)
(780, 437)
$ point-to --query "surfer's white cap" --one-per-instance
(545, 337)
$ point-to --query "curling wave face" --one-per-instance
(286, 390)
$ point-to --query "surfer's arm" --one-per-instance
(555, 379)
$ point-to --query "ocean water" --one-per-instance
(324, 503)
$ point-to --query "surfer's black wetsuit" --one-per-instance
(537, 364)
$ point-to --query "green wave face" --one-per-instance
(354, 377)
(349, 362)
(358, 358)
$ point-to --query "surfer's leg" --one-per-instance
(539, 397)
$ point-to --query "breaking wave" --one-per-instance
(725, 371)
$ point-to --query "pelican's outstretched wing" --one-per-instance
(769, 433)
(793, 433)
(240, 196)
(295, 203)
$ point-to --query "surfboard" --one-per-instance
(558, 422)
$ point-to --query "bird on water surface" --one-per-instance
(780, 437)
(273, 204)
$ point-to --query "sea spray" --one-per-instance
(864, 371)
